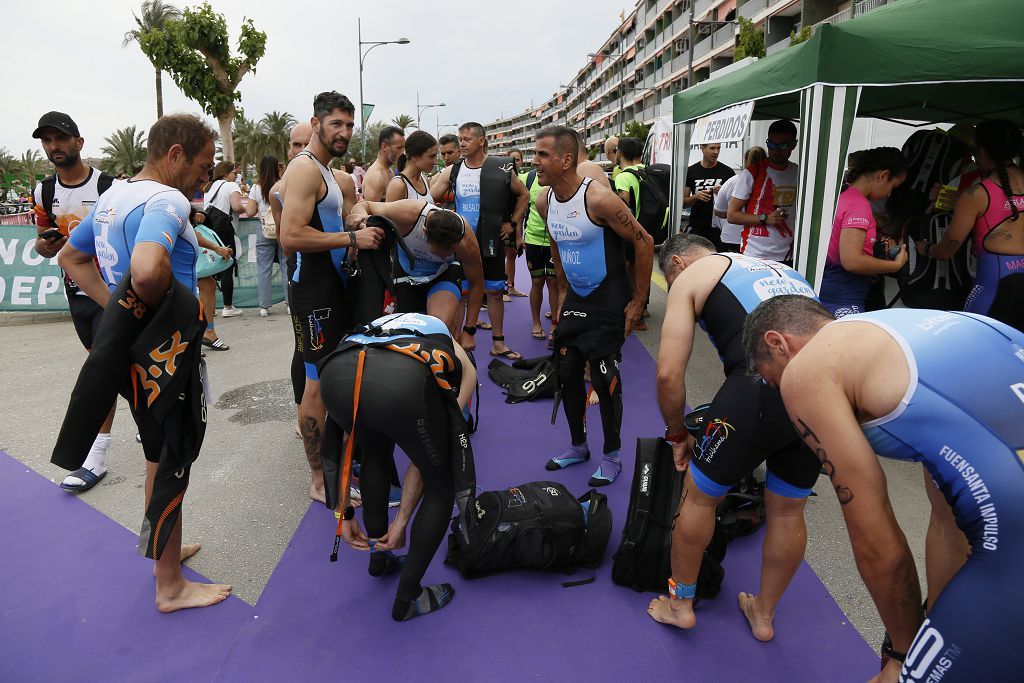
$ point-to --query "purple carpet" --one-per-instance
(316, 618)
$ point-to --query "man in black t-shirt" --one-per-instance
(702, 182)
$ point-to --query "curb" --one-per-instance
(15, 319)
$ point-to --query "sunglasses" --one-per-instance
(780, 146)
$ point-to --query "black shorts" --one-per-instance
(86, 315)
(494, 274)
(321, 315)
(747, 424)
(412, 298)
(538, 260)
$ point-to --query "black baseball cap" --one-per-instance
(58, 120)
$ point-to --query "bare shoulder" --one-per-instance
(701, 277)
(593, 170)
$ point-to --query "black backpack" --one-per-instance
(539, 525)
(929, 283)
(525, 380)
(48, 188)
(655, 189)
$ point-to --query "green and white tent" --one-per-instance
(913, 60)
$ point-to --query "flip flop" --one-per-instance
(89, 478)
(516, 292)
(548, 315)
(216, 344)
(484, 325)
(508, 354)
(539, 335)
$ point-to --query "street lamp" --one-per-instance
(439, 126)
(362, 56)
(420, 108)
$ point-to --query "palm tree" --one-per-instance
(155, 16)
(404, 121)
(125, 151)
(250, 141)
(9, 165)
(34, 165)
(276, 127)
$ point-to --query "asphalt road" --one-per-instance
(250, 486)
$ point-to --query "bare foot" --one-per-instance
(316, 489)
(500, 348)
(760, 625)
(188, 550)
(665, 610)
(190, 594)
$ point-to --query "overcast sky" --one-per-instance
(483, 59)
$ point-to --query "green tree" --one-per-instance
(750, 41)
(155, 16)
(796, 38)
(195, 50)
(125, 151)
(34, 165)
(250, 141)
(638, 130)
(276, 127)
(10, 168)
(404, 121)
(372, 146)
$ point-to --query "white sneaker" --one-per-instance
(231, 312)
(264, 313)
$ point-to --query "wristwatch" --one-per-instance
(763, 217)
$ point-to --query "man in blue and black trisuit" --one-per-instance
(895, 383)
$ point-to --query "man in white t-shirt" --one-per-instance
(764, 199)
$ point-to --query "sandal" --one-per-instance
(215, 344)
(508, 354)
(88, 477)
(538, 334)
(484, 325)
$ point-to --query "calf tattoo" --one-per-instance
(843, 493)
(311, 440)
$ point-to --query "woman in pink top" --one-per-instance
(851, 261)
(991, 213)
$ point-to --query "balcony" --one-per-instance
(702, 48)
(752, 7)
(856, 10)
(723, 36)
(702, 7)
(777, 47)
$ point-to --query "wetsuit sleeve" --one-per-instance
(163, 220)
(744, 186)
(83, 237)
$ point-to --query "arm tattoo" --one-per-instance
(805, 431)
(844, 494)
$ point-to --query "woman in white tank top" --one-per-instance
(419, 159)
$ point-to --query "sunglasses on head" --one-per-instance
(781, 146)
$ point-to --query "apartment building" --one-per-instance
(646, 59)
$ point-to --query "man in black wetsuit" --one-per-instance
(587, 223)
(416, 381)
(312, 226)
